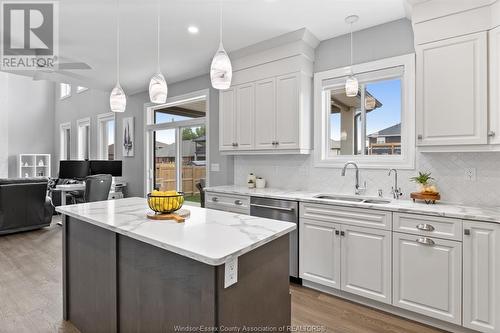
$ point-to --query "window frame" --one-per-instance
(68, 94)
(406, 160)
(150, 127)
(81, 124)
(62, 144)
(104, 118)
(80, 89)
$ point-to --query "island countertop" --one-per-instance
(208, 236)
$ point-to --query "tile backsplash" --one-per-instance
(296, 172)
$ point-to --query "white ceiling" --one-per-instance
(87, 32)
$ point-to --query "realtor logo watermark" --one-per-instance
(29, 38)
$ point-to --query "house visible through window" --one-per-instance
(65, 90)
(106, 136)
(369, 128)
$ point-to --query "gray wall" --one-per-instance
(94, 102)
(382, 41)
(91, 103)
(4, 127)
(30, 113)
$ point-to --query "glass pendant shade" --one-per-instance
(221, 71)
(158, 89)
(117, 99)
(351, 86)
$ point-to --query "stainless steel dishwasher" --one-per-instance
(283, 210)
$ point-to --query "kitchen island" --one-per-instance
(125, 273)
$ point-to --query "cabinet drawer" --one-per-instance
(228, 202)
(432, 226)
(346, 215)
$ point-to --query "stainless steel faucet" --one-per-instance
(395, 190)
(358, 190)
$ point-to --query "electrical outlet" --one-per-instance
(230, 272)
(470, 174)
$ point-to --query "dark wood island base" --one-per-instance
(114, 283)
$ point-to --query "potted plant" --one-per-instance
(424, 182)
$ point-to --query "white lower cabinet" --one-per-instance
(319, 259)
(427, 276)
(481, 276)
(366, 262)
(350, 258)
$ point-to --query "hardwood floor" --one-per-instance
(31, 294)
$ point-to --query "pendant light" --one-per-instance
(158, 89)
(117, 99)
(221, 71)
(351, 84)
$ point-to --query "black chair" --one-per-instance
(96, 188)
(201, 187)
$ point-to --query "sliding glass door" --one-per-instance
(176, 144)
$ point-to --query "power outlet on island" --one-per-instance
(470, 174)
(230, 272)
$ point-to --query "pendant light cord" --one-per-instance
(158, 36)
(351, 48)
(118, 42)
(220, 22)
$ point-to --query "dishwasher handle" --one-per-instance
(285, 209)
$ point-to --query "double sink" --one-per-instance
(333, 197)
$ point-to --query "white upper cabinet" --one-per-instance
(273, 97)
(269, 116)
(287, 111)
(227, 118)
(245, 110)
(265, 115)
(494, 80)
(481, 289)
(452, 91)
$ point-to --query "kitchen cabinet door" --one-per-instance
(366, 262)
(288, 111)
(494, 80)
(452, 91)
(227, 119)
(245, 112)
(265, 114)
(427, 276)
(319, 252)
(481, 276)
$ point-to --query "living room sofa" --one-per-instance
(24, 205)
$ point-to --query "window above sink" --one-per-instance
(376, 128)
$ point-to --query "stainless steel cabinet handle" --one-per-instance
(491, 134)
(215, 199)
(285, 209)
(420, 136)
(425, 227)
(238, 202)
(337, 232)
(425, 241)
(467, 232)
(235, 144)
(277, 143)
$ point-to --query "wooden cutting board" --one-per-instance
(427, 197)
(179, 216)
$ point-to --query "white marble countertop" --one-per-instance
(487, 214)
(208, 236)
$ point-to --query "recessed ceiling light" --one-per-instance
(192, 29)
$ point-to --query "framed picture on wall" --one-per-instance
(128, 137)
